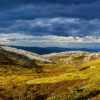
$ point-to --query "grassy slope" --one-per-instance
(57, 81)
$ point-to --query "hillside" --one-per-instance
(73, 75)
(27, 54)
(71, 57)
(48, 50)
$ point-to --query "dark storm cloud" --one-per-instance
(54, 26)
(31, 9)
(8, 3)
(35, 17)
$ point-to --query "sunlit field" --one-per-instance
(49, 81)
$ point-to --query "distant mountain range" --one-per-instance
(47, 50)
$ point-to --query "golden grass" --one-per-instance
(54, 79)
(53, 73)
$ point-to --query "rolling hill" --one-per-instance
(73, 75)
(23, 53)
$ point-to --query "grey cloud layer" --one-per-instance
(60, 19)
(46, 40)
(55, 26)
(25, 9)
(35, 17)
(7, 3)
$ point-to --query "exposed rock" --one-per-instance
(65, 54)
(70, 55)
(91, 56)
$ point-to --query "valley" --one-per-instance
(72, 75)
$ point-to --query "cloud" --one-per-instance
(6, 3)
(30, 22)
(65, 40)
(19, 39)
(59, 26)
(4, 41)
(31, 9)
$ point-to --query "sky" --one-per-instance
(50, 23)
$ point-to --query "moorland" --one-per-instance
(73, 75)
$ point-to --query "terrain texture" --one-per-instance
(73, 75)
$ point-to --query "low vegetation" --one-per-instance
(24, 79)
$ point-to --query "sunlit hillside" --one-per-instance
(65, 76)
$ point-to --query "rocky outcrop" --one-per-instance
(91, 56)
(83, 56)
(65, 54)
